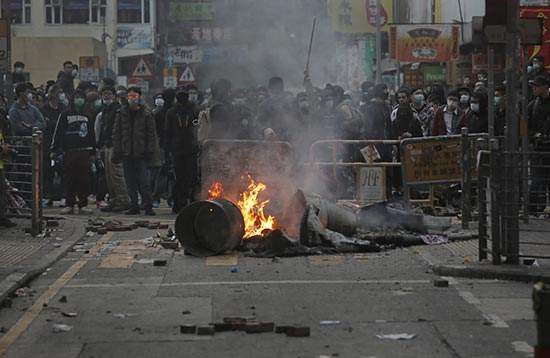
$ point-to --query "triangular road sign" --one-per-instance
(142, 69)
(187, 75)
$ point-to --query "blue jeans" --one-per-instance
(136, 173)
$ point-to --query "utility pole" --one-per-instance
(512, 134)
(378, 43)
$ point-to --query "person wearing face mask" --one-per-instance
(220, 120)
(23, 115)
(181, 142)
(65, 78)
(114, 173)
(447, 118)
(422, 112)
(134, 145)
(74, 138)
(276, 113)
(475, 118)
(464, 98)
(18, 75)
(51, 111)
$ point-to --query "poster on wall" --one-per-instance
(544, 49)
(424, 42)
(358, 16)
(134, 37)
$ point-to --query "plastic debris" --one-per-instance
(396, 336)
(69, 314)
(59, 328)
(434, 239)
(90, 233)
(329, 323)
(21, 292)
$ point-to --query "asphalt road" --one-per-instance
(127, 307)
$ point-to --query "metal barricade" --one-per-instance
(24, 175)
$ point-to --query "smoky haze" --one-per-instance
(271, 38)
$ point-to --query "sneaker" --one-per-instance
(69, 210)
(132, 211)
(84, 211)
(7, 223)
(150, 212)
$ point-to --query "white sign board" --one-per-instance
(371, 185)
(185, 54)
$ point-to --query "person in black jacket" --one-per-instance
(181, 142)
(74, 138)
(65, 78)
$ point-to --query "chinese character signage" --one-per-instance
(544, 49)
(185, 54)
(424, 42)
(190, 11)
(359, 16)
(134, 37)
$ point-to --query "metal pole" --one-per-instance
(495, 196)
(491, 75)
(35, 202)
(466, 183)
(525, 141)
(511, 159)
(378, 43)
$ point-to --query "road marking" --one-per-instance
(123, 255)
(495, 321)
(223, 260)
(469, 297)
(28, 317)
(251, 283)
(523, 347)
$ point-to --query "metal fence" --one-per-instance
(513, 224)
(24, 176)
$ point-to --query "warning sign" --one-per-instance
(142, 69)
(187, 75)
(170, 77)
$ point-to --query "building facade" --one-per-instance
(45, 33)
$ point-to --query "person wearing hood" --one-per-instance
(18, 75)
(74, 138)
(182, 144)
(475, 118)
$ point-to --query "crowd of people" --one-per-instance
(106, 140)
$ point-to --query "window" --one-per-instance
(76, 11)
(53, 11)
(98, 9)
(20, 11)
(134, 11)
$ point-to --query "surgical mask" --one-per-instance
(74, 73)
(529, 69)
(63, 99)
(498, 100)
(108, 101)
(159, 102)
(79, 103)
(193, 97)
(29, 96)
(419, 98)
(536, 66)
(19, 70)
(464, 98)
(98, 103)
(474, 107)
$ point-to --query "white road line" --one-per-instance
(251, 283)
(469, 297)
(496, 321)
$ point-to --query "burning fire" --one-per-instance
(255, 220)
(215, 191)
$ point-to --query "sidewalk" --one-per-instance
(460, 259)
(23, 257)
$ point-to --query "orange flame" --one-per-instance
(215, 191)
(255, 220)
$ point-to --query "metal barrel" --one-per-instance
(211, 227)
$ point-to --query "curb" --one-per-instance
(495, 272)
(18, 279)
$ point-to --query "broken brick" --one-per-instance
(298, 332)
(441, 283)
(205, 331)
(188, 329)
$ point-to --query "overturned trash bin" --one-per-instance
(208, 228)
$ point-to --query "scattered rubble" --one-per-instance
(441, 283)
(188, 329)
(63, 299)
(101, 225)
(69, 314)
(205, 330)
(59, 328)
(396, 336)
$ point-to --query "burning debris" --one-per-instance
(309, 225)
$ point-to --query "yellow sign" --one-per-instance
(359, 16)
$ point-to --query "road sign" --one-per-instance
(170, 77)
(142, 69)
(139, 82)
(187, 75)
(4, 46)
(89, 68)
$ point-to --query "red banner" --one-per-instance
(544, 49)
